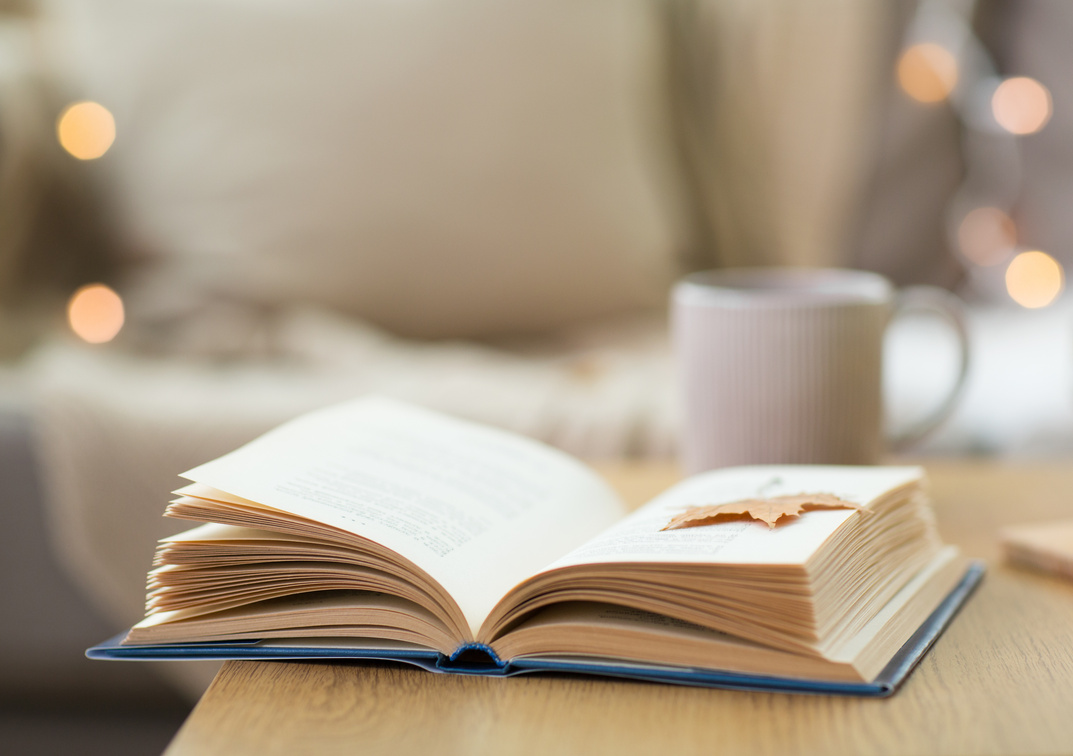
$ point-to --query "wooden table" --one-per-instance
(999, 681)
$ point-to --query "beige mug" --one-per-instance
(784, 365)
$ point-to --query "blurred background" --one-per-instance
(215, 214)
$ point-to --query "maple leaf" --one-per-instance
(770, 510)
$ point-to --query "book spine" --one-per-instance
(472, 658)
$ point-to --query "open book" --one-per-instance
(375, 529)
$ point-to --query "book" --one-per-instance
(1044, 546)
(380, 530)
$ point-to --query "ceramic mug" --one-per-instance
(784, 365)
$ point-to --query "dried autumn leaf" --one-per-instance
(770, 510)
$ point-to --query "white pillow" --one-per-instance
(440, 167)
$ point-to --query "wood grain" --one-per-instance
(999, 681)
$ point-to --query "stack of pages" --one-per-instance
(379, 530)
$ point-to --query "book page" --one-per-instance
(640, 538)
(620, 634)
(476, 508)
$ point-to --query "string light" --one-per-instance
(927, 72)
(1034, 279)
(95, 313)
(987, 236)
(944, 60)
(1021, 105)
(86, 130)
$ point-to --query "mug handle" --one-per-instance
(935, 301)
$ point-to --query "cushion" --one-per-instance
(438, 167)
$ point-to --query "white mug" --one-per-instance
(784, 365)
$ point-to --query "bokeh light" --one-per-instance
(95, 313)
(927, 72)
(86, 130)
(1034, 279)
(1021, 105)
(987, 236)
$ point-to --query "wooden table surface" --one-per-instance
(999, 681)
